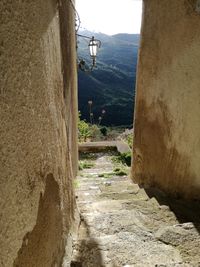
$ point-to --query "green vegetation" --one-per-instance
(119, 171)
(104, 130)
(90, 131)
(124, 158)
(87, 131)
(84, 131)
(129, 140)
(106, 174)
(96, 134)
(85, 165)
(88, 156)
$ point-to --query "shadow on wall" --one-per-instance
(42, 247)
(156, 158)
(185, 210)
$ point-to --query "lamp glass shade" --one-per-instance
(93, 45)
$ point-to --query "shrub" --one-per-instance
(84, 131)
(104, 131)
(126, 158)
(95, 132)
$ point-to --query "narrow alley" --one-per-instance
(123, 225)
(61, 206)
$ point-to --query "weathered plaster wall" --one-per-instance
(167, 117)
(69, 67)
(36, 194)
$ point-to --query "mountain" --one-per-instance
(111, 85)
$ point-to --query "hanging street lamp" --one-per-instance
(94, 45)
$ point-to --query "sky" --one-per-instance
(110, 16)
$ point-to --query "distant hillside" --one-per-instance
(111, 85)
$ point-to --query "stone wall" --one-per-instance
(167, 118)
(37, 105)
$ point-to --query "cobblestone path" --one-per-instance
(124, 225)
